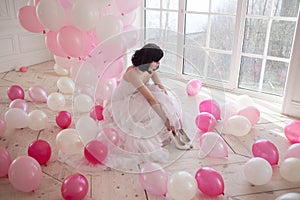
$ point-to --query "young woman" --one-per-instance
(141, 109)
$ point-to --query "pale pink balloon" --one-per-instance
(293, 151)
(71, 40)
(213, 145)
(267, 150)
(25, 174)
(105, 88)
(112, 135)
(19, 103)
(193, 87)
(128, 18)
(2, 127)
(38, 94)
(210, 106)
(291, 131)
(128, 6)
(210, 181)
(52, 44)
(112, 70)
(251, 113)
(28, 19)
(5, 161)
(206, 121)
(153, 178)
(15, 92)
(65, 4)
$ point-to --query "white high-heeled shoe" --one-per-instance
(179, 144)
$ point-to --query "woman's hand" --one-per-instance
(169, 126)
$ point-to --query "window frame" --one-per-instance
(232, 84)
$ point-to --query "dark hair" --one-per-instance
(146, 55)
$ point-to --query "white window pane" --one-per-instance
(219, 66)
(152, 3)
(196, 29)
(169, 21)
(275, 77)
(152, 24)
(286, 8)
(281, 38)
(259, 7)
(196, 5)
(194, 61)
(221, 6)
(170, 4)
(255, 36)
(222, 36)
(168, 63)
(250, 73)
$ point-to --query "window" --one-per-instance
(220, 40)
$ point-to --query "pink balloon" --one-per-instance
(74, 187)
(63, 119)
(65, 4)
(209, 181)
(251, 113)
(267, 150)
(113, 70)
(193, 87)
(96, 113)
(71, 40)
(210, 106)
(293, 151)
(40, 150)
(213, 145)
(5, 161)
(128, 6)
(291, 131)
(112, 135)
(206, 121)
(19, 103)
(2, 127)
(15, 92)
(25, 174)
(52, 44)
(28, 19)
(95, 152)
(153, 178)
(38, 94)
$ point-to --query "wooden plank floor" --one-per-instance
(113, 184)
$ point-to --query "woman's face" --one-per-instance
(153, 66)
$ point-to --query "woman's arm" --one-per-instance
(155, 78)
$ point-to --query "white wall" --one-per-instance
(18, 46)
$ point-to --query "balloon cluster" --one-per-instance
(74, 28)
(180, 185)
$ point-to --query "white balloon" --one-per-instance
(16, 118)
(244, 101)
(108, 26)
(68, 142)
(87, 129)
(66, 85)
(85, 14)
(289, 169)
(51, 14)
(228, 110)
(237, 125)
(289, 196)
(83, 103)
(258, 171)
(182, 186)
(60, 71)
(56, 101)
(84, 75)
(38, 120)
